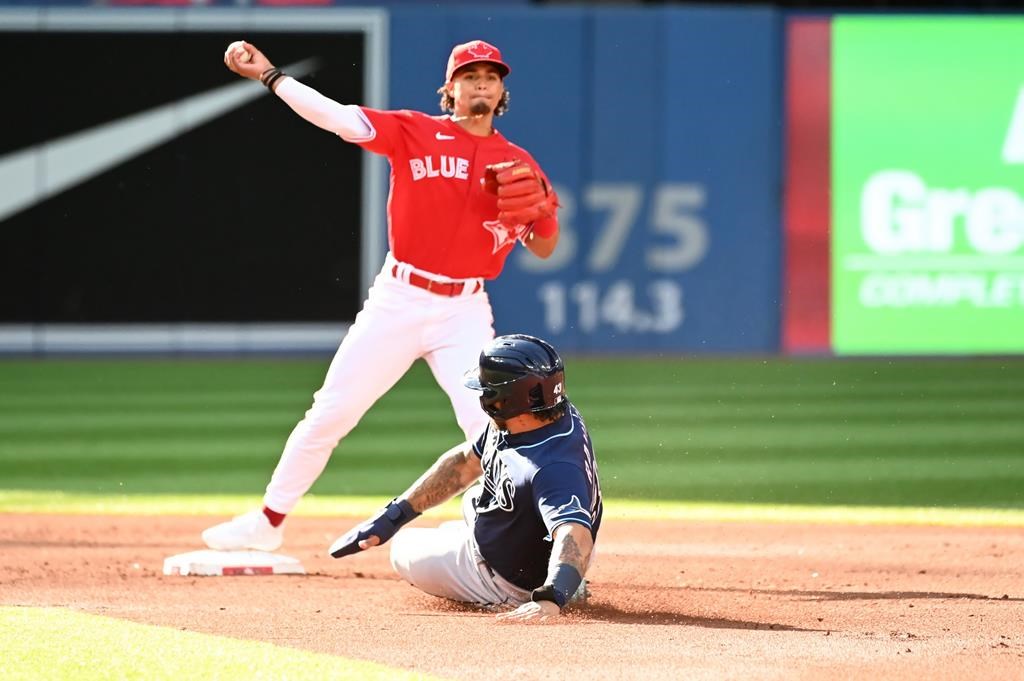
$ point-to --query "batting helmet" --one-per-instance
(518, 374)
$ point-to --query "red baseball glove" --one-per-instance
(523, 194)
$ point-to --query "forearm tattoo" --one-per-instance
(569, 551)
(442, 481)
(570, 556)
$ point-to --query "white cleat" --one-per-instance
(248, 531)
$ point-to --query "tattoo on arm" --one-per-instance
(453, 472)
(573, 545)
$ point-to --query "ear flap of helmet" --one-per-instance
(536, 396)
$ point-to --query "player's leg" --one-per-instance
(444, 562)
(454, 343)
(378, 349)
(353, 383)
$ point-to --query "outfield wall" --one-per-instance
(912, 130)
(662, 128)
(659, 127)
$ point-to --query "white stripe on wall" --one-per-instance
(43, 339)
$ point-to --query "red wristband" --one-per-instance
(545, 227)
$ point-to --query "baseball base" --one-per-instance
(208, 563)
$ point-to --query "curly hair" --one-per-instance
(448, 102)
(554, 413)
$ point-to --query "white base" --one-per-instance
(209, 563)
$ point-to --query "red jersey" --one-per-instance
(440, 219)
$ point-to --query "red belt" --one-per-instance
(441, 288)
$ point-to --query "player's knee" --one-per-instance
(326, 411)
(330, 419)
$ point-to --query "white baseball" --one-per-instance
(241, 54)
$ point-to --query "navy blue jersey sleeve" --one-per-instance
(481, 442)
(562, 494)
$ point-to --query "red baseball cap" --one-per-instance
(472, 52)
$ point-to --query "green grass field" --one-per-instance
(897, 433)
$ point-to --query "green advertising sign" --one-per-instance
(928, 185)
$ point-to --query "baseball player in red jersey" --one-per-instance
(461, 197)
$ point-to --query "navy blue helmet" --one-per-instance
(518, 374)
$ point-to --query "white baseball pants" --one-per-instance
(446, 562)
(398, 324)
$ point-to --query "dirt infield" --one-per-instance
(670, 600)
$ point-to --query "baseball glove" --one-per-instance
(523, 194)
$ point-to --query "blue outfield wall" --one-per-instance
(662, 130)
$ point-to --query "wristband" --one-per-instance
(400, 512)
(546, 593)
(544, 228)
(565, 583)
(271, 76)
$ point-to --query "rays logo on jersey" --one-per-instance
(499, 489)
(572, 509)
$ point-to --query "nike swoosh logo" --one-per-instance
(442, 137)
(32, 175)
